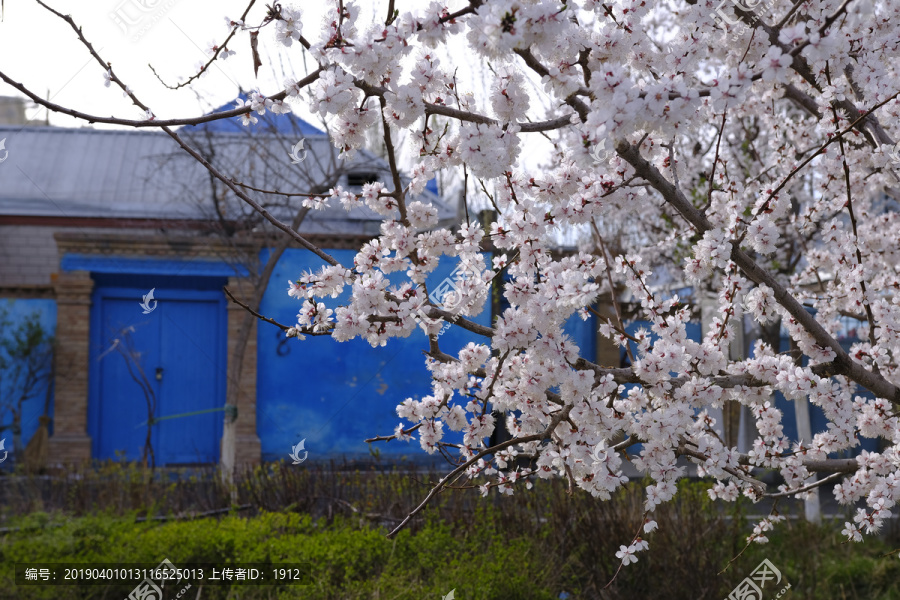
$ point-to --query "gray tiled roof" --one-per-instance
(61, 172)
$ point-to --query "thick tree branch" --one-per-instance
(462, 115)
(676, 198)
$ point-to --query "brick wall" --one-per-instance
(248, 449)
(28, 255)
(70, 440)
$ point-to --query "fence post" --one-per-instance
(812, 505)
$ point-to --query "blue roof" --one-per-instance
(287, 124)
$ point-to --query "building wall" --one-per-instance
(33, 407)
(28, 256)
(46, 264)
(333, 395)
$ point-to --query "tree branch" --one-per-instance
(676, 198)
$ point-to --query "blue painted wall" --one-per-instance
(34, 407)
(335, 395)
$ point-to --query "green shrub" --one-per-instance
(533, 545)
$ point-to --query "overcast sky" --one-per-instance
(42, 52)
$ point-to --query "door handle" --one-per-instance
(159, 372)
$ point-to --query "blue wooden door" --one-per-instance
(149, 370)
(190, 347)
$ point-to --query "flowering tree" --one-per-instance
(743, 148)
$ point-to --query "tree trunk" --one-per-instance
(17, 432)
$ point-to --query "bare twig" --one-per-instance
(559, 416)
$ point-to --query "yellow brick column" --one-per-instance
(248, 449)
(70, 442)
